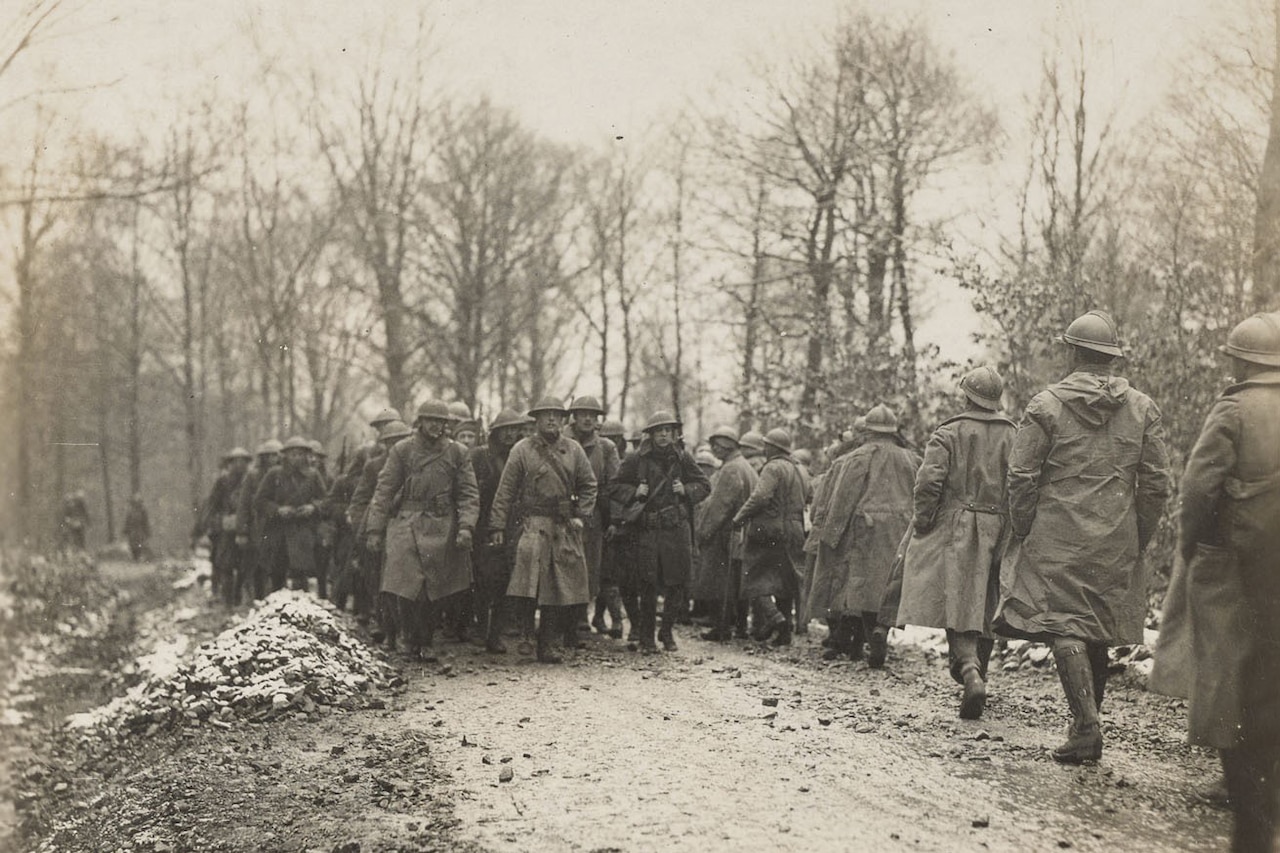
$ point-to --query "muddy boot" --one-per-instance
(1084, 740)
(524, 610)
(963, 650)
(548, 630)
(613, 603)
(840, 641)
(857, 637)
(497, 621)
(665, 635)
(878, 647)
(597, 621)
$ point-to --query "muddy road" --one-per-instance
(727, 747)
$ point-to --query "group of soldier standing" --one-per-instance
(1033, 530)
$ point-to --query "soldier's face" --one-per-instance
(432, 428)
(465, 436)
(549, 424)
(239, 465)
(296, 457)
(722, 447)
(585, 422)
(507, 435)
(663, 436)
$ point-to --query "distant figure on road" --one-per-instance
(73, 526)
(137, 528)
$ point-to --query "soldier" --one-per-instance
(347, 582)
(721, 544)
(1088, 479)
(951, 573)
(250, 534)
(617, 433)
(384, 605)
(137, 528)
(752, 446)
(218, 521)
(288, 501)
(427, 503)
(325, 529)
(73, 525)
(867, 510)
(658, 486)
(585, 415)
(492, 564)
(467, 432)
(1229, 539)
(773, 552)
(549, 486)
(459, 413)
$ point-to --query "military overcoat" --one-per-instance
(720, 544)
(663, 534)
(772, 564)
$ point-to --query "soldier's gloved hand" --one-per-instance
(642, 490)
(576, 523)
(677, 487)
(463, 540)
(495, 538)
(242, 539)
(373, 542)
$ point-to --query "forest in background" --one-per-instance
(287, 259)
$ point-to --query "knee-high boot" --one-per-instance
(1098, 662)
(964, 651)
(1084, 740)
(497, 611)
(550, 627)
(613, 603)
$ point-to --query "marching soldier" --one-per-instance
(288, 502)
(492, 563)
(219, 522)
(585, 415)
(752, 446)
(721, 544)
(773, 553)
(549, 486)
(426, 503)
(73, 525)
(347, 583)
(250, 535)
(951, 573)
(1088, 479)
(384, 605)
(617, 433)
(658, 487)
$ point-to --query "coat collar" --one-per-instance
(1266, 377)
(978, 415)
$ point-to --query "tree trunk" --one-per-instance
(1266, 228)
(751, 315)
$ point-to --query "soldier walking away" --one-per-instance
(720, 543)
(137, 528)
(218, 521)
(426, 503)
(492, 563)
(1088, 479)
(250, 532)
(288, 502)
(549, 486)
(585, 415)
(773, 553)
(1229, 541)
(384, 604)
(951, 572)
(866, 514)
(73, 521)
(658, 486)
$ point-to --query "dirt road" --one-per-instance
(716, 747)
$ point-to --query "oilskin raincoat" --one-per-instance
(951, 575)
(663, 541)
(720, 545)
(293, 537)
(773, 518)
(426, 493)
(545, 485)
(867, 510)
(1220, 635)
(1088, 479)
(603, 456)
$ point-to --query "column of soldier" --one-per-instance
(1033, 531)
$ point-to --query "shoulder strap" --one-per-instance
(550, 458)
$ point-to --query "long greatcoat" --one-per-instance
(1220, 633)
(721, 545)
(544, 496)
(663, 555)
(1088, 479)
(492, 563)
(867, 510)
(602, 453)
(776, 503)
(285, 486)
(426, 494)
(951, 576)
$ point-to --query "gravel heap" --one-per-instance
(290, 654)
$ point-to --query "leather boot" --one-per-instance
(878, 647)
(964, 651)
(1084, 740)
(549, 628)
(597, 621)
(613, 603)
(839, 641)
(665, 635)
(648, 622)
(1098, 662)
(497, 622)
(525, 617)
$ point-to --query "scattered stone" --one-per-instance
(506, 759)
(770, 701)
(506, 774)
(981, 822)
(486, 760)
(982, 735)
(864, 728)
(824, 721)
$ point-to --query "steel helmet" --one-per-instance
(1094, 331)
(613, 429)
(547, 404)
(882, 419)
(459, 411)
(317, 448)
(706, 457)
(394, 429)
(269, 446)
(637, 436)
(1256, 340)
(983, 386)
(752, 440)
(468, 425)
(726, 432)
(297, 442)
(433, 410)
(661, 418)
(506, 418)
(237, 453)
(386, 416)
(804, 457)
(779, 438)
(586, 404)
